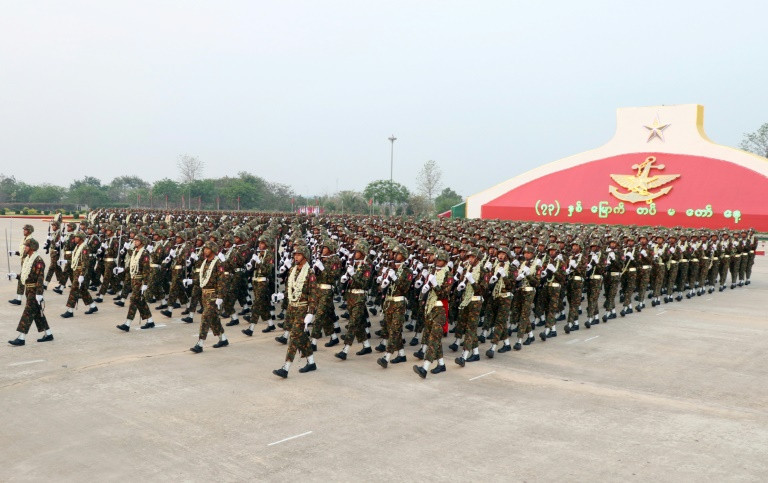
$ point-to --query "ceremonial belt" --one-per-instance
(208, 290)
(30, 285)
(598, 277)
(504, 295)
(683, 260)
(260, 279)
(325, 286)
(646, 267)
(554, 284)
(737, 255)
(577, 278)
(475, 298)
(397, 298)
(726, 256)
(197, 270)
(615, 274)
(227, 273)
(673, 261)
(751, 251)
(439, 303)
(154, 265)
(109, 260)
(68, 252)
(357, 290)
(177, 267)
(528, 289)
(238, 270)
(633, 269)
(298, 304)
(706, 258)
(694, 259)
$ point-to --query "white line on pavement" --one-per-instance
(290, 438)
(662, 312)
(595, 337)
(26, 362)
(572, 341)
(481, 375)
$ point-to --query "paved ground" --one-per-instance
(677, 393)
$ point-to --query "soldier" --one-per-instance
(553, 279)
(327, 268)
(645, 264)
(21, 252)
(726, 252)
(474, 284)
(436, 290)
(526, 281)
(672, 258)
(301, 294)
(503, 280)
(358, 275)
(194, 261)
(138, 272)
(628, 275)
(80, 282)
(54, 247)
(594, 280)
(213, 287)
(32, 277)
(658, 269)
(236, 254)
(263, 265)
(576, 271)
(752, 242)
(110, 248)
(176, 259)
(611, 279)
(397, 281)
(157, 254)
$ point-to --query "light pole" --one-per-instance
(392, 140)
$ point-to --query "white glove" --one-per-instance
(222, 257)
(127, 245)
(460, 269)
(172, 253)
(573, 264)
(351, 270)
(520, 276)
(278, 297)
(470, 278)
(122, 251)
(500, 272)
(378, 279)
(493, 279)
(432, 280)
(385, 283)
(392, 275)
(596, 257)
(551, 268)
(150, 248)
(418, 284)
(612, 256)
(419, 266)
(194, 256)
(450, 264)
(39, 298)
(62, 263)
(488, 265)
(643, 253)
(187, 282)
(49, 238)
(256, 258)
(319, 265)
(288, 263)
(167, 260)
(632, 256)
(143, 288)
(424, 272)
(461, 287)
(12, 275)
(249, 266)
(11, 253)
(99, 251)
(344, 278)
(103, 245)
(372, 252)
(425, 289)
(120, 269)
(308, 319)
(219, 303)
(80, 279)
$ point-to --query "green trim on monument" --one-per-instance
(459, 211)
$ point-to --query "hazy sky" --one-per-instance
(307, 92)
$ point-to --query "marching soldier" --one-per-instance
(21, 252)
(436, 290)
(263, 265)
(32, 277)
(358, 277)
(327, 268)
(213, 288)
(474, 284)
(396, 284)
(79, 264)
(138, 273)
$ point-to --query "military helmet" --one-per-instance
(301, 249)
(212, 246)
(32, 243)
(504, 249)
(361, 246)
(442, 255)
(141, 238)
(330, 243)
(401, 250)
(29, 228)
(79, 234)
(553, 246)
(528, 249)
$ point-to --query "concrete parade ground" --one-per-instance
(675, 393)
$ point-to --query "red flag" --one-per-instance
(370, 202)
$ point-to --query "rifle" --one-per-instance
(7, 251)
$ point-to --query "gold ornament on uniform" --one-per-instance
(638, 186)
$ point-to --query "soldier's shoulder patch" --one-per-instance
(221, 269)
(367, 273)
(312, 278)
(40, 264)
(410, 276)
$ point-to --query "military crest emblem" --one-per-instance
(638, 186)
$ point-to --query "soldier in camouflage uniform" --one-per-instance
(577, 271)
(396, 284)
(263, 264)
(79, 264)
(503, 280)
(594, 281)
(611, 279)
(358, 274)
(526, 280)
(110, 248)
(138, 272)
(672, 259)
(628, 275)
(32, 277)
(176, 259)
(53, 242)
(236, 254)
(436, 291)
(726, 253)
(21, 252)
(474, 284)
(644, 266)
(195, 260)
(327, 268)
(301, 294)
(157, 253)
(213, 287)
(553, 279)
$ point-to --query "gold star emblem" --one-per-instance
(656, 130)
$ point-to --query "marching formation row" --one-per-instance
(477, 281)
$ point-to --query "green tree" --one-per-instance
(385, 191)
(446, 199)
(124, 188)
(756, 142)
(166, 187)
(47, 193)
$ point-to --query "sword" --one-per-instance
(7, 250)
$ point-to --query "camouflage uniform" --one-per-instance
(33, 286)
(79, 268)
(326, 279)
(304, 302)
(395, 305)
(263, 272)
(138, 301)
(355, 298)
